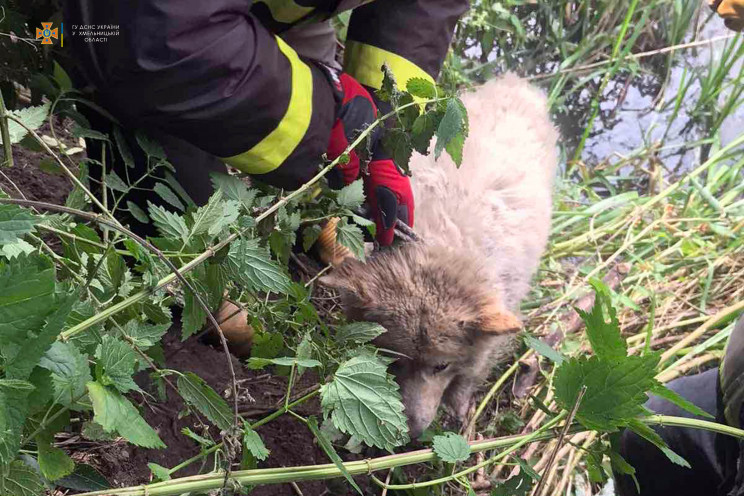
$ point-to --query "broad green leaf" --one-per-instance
(13, 411)
(93, 431)
(14, 223)
(193, 316)
(310, 236)
(421, 88)
(26, 296)
(116, 183)
(253, 443)
(16, 385)
(145, 335)
(455, 147)
(358, 332)
(32, 118)
(234, 188)
(388, 91)
(351, 196)
(118, 360)
(201, 396)
(451, 447)
(137, 212)
(518, 485)
(616, 390)
(161, 473)
(210, 217)
(326, 445)
(603, 332)
(257, 363)
(364, 222)
(653, 437)
(70, 372)
(250, 266)
(422, 132)
(84, 478)
(61, 77)
(450, 126)
(169, 196)
(351, 237)
(79, 131)
(673, 397)
(544, 349)
(171, 180)
(363, 400)
(16, 249)
(398, 144)
(169, 224)
(21, 480)
(304, 352)
(149, 146)
(115, 413)
(123, 147)
(53, 462)
(201, 440)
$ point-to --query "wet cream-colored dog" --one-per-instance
(449, 303)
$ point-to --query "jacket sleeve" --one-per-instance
(209, 73)
(411, 36)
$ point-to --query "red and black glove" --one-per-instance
(388, 190)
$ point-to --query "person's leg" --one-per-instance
(657, 475)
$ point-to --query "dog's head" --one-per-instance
(442, 316)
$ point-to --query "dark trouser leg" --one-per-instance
(658, 476)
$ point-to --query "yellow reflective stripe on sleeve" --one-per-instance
(286, 11)
(273, 150)
(364, 63)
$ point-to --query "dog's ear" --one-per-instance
(495, 319)
(347, 281)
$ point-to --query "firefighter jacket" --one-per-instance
(217, 74)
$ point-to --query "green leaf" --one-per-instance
(616, 390)
(14, 223)
(398, 144)
(544, 349)
(363, 400)
(304, 352)
(32, 118)
(61, 77)
(53, 462)
(20, 480)
(16, 385)
(358, 332)
(310, 236)
(209, 218)
(150, 147)
(257, 363)
(250, 266)
(171, 180)
(326, 445)
(84, 478)
(388, 91)
(26, 296)
(199, 395)
(79, 131)
(123, 147)
(450, 126)
(454, 148)
(70, 372)
(364, 222)
(519, 485)
(253, 443)
(234, 188)
(651, 436)
(351, 237)
(422, 132)
(422, 88)
(451, 447)
(115, 413)
(161, 473)
(351, 196)
(16, 249)
(145, 335)
(169, 196)
(137, 212)
(13, 411)
(118, 360)
(603, 332)
(672, 397)
(169, 224)
(193, 317)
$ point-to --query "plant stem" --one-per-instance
(5, 130)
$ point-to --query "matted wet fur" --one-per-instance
(449, 303)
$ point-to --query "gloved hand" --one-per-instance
(731, 11)
(388, 190)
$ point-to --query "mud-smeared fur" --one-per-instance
(449, 303)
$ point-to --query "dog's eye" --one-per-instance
(441, 367)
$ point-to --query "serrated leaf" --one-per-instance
(137, 212)
(161, 473)
(358, 332)
(253, 443)
(673, 397)
(233, 188)
(14, 223)
(95, 432)
(518, 485)
(210, 217)
(16, 249)
(455, 147)
(118, 360)
(201, 396)
(326, 446)
(115, 413)
(123, 147)
(653, 437)
(32, 117)
(603, 332)
(543, 349)
(83, 132)
(61, 77)
(84, 478)
(351, 237)
(451, 447)
(351, 196)
(422, 88)
(616, 390)
(310, 236)
(169, 196)
(450, 126)
(70, 372)
(20, 480)
(304, 352)
(366, 223)
(257, 363)
(149, 146)
(171, 180)
(398, 144)
(143, 334)
(422, 132)
(26, 296)
(116, 183)
(53, 462)
(169, 224)
(193, 316)
(250, 266)
(363, 400)
(13, 411)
